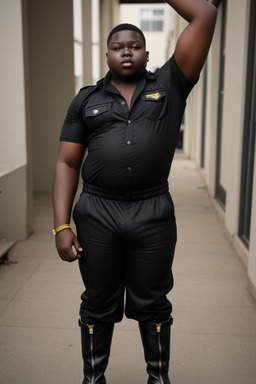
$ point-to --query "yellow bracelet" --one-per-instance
(60, 228)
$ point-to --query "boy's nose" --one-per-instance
(126, 52)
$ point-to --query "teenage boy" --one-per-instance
(125, 221)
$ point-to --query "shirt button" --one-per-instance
(123, 102)
(129, 142)
(129, 169)
(129, 121)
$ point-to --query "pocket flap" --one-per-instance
(97, 110)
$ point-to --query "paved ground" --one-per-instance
(214, 333)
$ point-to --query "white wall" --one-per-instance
(78, 44)
(157, 41)
(14, 205)
(233, 108)
(12, 93)
(236, 46)
(51, 81)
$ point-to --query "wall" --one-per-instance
(233, 108)
(130, 13)
(109, 16)
(51, 81)
(252, 250)
(235, 72)
(13, 153)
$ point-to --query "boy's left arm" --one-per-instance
(194, 42)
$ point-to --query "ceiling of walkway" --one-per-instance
(140, 1)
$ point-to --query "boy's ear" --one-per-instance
(147, 55)
(106, 55)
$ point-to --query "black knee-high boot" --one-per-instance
(96, 342)
(156, 343)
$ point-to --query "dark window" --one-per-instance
(249, 135)
(220, 192)
(203, 116)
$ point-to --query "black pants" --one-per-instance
(128, 245)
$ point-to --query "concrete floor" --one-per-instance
(214, 331)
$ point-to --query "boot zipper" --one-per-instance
(90, 327)
(158, 331)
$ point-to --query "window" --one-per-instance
(152, 20)
(219, 190)
(247, 170)
(203, 127)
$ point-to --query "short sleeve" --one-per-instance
(73, 129)
(180, 80)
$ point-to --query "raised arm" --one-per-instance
(66, 176)
(194, 42)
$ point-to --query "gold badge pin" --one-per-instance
(153, 96)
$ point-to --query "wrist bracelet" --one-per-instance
(60, 228)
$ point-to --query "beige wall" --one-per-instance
(87, 41)
(158, 42)
(109, 17)
(236, 46)
(37, 85)
(14, 204)
(233, 108)
(51, 80)
(12, 106)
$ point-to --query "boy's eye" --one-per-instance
(133, 47)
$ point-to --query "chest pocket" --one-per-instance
(154, 104)
(99, 116)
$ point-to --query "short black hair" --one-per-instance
(126, 27)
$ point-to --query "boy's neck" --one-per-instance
(124, 84)
(126, 89)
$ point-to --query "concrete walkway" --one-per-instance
(214, 331)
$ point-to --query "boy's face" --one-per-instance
(127, 56)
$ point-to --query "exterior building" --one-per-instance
(220, 124)
(38, 41)
(156, 22)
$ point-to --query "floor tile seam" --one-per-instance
(3, 325)
(116, 329)
(209, 284)
(221, 334)
(128, 330)
(217, 307)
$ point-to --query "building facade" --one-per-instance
(220, 124)
(38, 41)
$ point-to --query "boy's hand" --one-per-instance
(68, 246)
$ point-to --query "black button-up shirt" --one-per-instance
(129, 149)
